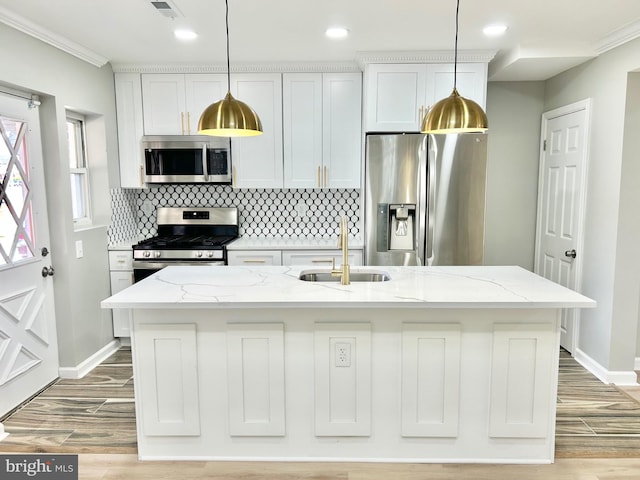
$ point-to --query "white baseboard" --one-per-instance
(636, 364)
(3, 434)
(91, 362)
(604, 375)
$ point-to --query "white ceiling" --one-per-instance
(544, 37)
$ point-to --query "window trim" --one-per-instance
(81, 150)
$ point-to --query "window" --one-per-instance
(78, 168)
(16, 219)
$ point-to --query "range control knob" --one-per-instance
(146, 254)
(198, 254)
(156, 254)
(210, 253)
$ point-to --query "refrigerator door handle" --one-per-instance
(431, 204)
(423, 189)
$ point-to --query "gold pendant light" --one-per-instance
(229, 117)
(455, 114)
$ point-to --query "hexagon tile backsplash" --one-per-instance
(265, 213)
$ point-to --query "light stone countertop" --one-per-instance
(409, 287)
(282, 243)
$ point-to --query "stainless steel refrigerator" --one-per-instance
(425, 199)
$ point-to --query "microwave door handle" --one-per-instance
(204, 162)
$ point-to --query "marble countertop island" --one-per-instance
(422, 287)
(437, 364)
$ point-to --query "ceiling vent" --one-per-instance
(166, 8)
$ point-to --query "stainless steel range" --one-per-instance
(186, 236)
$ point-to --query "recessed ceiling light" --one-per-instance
(494, 30)
(336, 32)
(184, 34)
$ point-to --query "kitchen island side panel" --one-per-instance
(457, 353)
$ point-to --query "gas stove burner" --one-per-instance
(186, 242)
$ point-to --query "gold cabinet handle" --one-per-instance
(322, 260)
(253, 261)
(182, 122)
(141, 174)
(233, 177)
(325, 177)
(319, 184)
(189, 123)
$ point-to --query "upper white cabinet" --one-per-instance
(398, 95)
(322, 130)
(173, 103)
(129, 124)
(257, 161)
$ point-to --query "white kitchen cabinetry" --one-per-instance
(129, 110)
(320, 258)
(121, 275)
(173, 103)
(254, 257)
(257, 161)
(322, 130)
(398, 95)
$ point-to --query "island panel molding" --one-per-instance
(522, 400)
(168, 356)
(255, 363)
(430, 379)
(342, 372)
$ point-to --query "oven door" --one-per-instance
(143, 269)
(175, 165)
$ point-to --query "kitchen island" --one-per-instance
(437, 364)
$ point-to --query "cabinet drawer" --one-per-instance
(120, 260)
(319, 258)
(254, 257)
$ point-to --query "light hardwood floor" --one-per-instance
(597, 437)
(126, 467)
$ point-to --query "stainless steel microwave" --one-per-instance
(186, 159)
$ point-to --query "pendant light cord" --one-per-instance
(226, 2)
(455, 51)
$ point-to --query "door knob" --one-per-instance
(44, 251)
(570, 253)
(48, 271)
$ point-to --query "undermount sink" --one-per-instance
(354, 276)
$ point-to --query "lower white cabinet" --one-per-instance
(121, 276)
(254, 257)
(320, 258)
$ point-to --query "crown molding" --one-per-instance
(619, 37)
(316, 67)
(36, 31)
(427, 56)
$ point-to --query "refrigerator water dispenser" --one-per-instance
(395, 230)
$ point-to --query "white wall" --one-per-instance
(514, 110)
(628, 258)
(64, 82)
(608, 334)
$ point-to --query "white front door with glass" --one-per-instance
(28, 342)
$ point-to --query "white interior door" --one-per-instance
(28, 342)
(561, 204)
